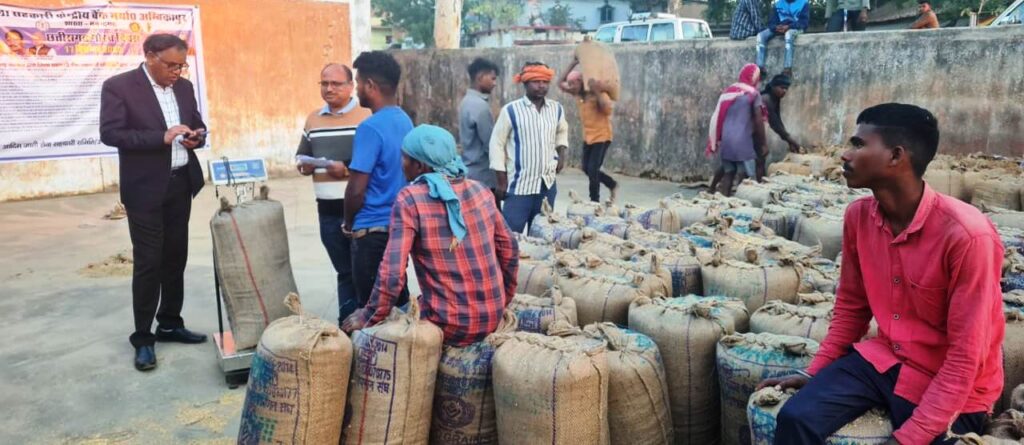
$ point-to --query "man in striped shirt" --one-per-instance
(528, 148)
(328, 134)
(465, 257)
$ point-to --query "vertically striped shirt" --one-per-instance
(172, 116)
(523, 144)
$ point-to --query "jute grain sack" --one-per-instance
(743, 247)
(1013, 347)
(250, 244)
(661, 219)
(1001, 191)
(730, 308)
(1008, 426)
(598, 297)
(822, 229)
(555, 229)
(947, 181)
(549, 390)
(659, 240)
(1017, 398)
(791, 168)
(755, 284)
(536, 314)
(692, 211)
(781, 318)
(393, 377)
(536, 277)
(781, 219)
(1005, 218)
(608, 246)
(819, 275)
(598, 62)
(758, 194)
(655, 278)
(686, 335)
(464, 397)
(684, 268)
(610, 224)
(821, 300)
(580, 208)
(974, 439)
(534, 248)
(638, 401)
(296, 392)
(744, 361)
(871, 428)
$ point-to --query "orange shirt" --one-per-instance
(597, 125)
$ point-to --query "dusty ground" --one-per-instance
(66, 372)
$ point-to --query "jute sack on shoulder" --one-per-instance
(536, 277)
(608, 246)
(744, 361)
(686, 335)
(872, 428)
(549, 390)
(296, 392)
(656, 279)
(1013, 347)
(600, 298)
(777, 317)
(537, 314)
(392, 387)
(250, 244)
(598, 62)
(732, 309)
(755, 284)
(464, 397)
(638, 402)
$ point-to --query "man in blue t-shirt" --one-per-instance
(376, 169)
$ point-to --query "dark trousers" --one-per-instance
(367, 253)
(845, 390)
(339, 250)
(160, 250)
(519, 210)
(853, 23)
(593, 159)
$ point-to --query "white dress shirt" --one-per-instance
(169, 107)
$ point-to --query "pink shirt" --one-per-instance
(934, 291)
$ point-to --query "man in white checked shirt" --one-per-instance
(527, 148)
(150, 114)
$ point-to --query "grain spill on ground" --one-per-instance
(118, 265)
(214, 415)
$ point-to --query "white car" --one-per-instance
(653, 27)
(1013, 15)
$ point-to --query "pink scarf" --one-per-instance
(750, 76)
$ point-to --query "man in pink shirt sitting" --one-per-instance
(926, 267)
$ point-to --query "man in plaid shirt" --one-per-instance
(746, 20)
(465, 257)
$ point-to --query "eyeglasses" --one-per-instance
(172, 66)
(326, 84)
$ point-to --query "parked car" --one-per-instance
(1013, 15)
(653, 27)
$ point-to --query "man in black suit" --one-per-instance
(150, 114)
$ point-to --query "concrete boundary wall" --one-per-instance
(972, 79)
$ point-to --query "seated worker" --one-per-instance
(928, 19)
(464, 255)
(789, 18)
(926, 266)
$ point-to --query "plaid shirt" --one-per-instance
(465, 290)
(746, 21)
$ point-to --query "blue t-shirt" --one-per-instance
(377, 151)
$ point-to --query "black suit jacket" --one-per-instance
(131, 120)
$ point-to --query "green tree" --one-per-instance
(479, 15)
(561, 15)
(415, 17)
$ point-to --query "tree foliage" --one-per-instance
(415, 17)
(479, 15)
(648, 5)
(560, 14)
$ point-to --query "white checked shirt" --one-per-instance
(169, 107)
(523, 144)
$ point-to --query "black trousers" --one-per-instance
(835, 23)
(842, 392)
(160, 249)
(367, 254)
(593, 159)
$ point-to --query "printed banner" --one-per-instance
(53, 63)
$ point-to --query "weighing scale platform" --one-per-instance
(234, 363)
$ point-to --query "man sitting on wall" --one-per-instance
(928, 19)
(789, 18)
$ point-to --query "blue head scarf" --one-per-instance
(435, 147)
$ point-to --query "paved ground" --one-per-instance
(66, 370)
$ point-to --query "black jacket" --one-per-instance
(131, 120)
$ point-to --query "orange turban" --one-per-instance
(534, 72)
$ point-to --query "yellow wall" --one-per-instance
(263, 59)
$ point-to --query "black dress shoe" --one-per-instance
(180, 335)
(145, 358)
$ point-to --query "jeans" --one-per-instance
(340, 251)
(766, 36)
(367, 253)
(845, 390)
(521, 209)
(835, 23)
(749, 167)
(593, 159)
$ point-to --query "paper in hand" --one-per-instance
(315, 162)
